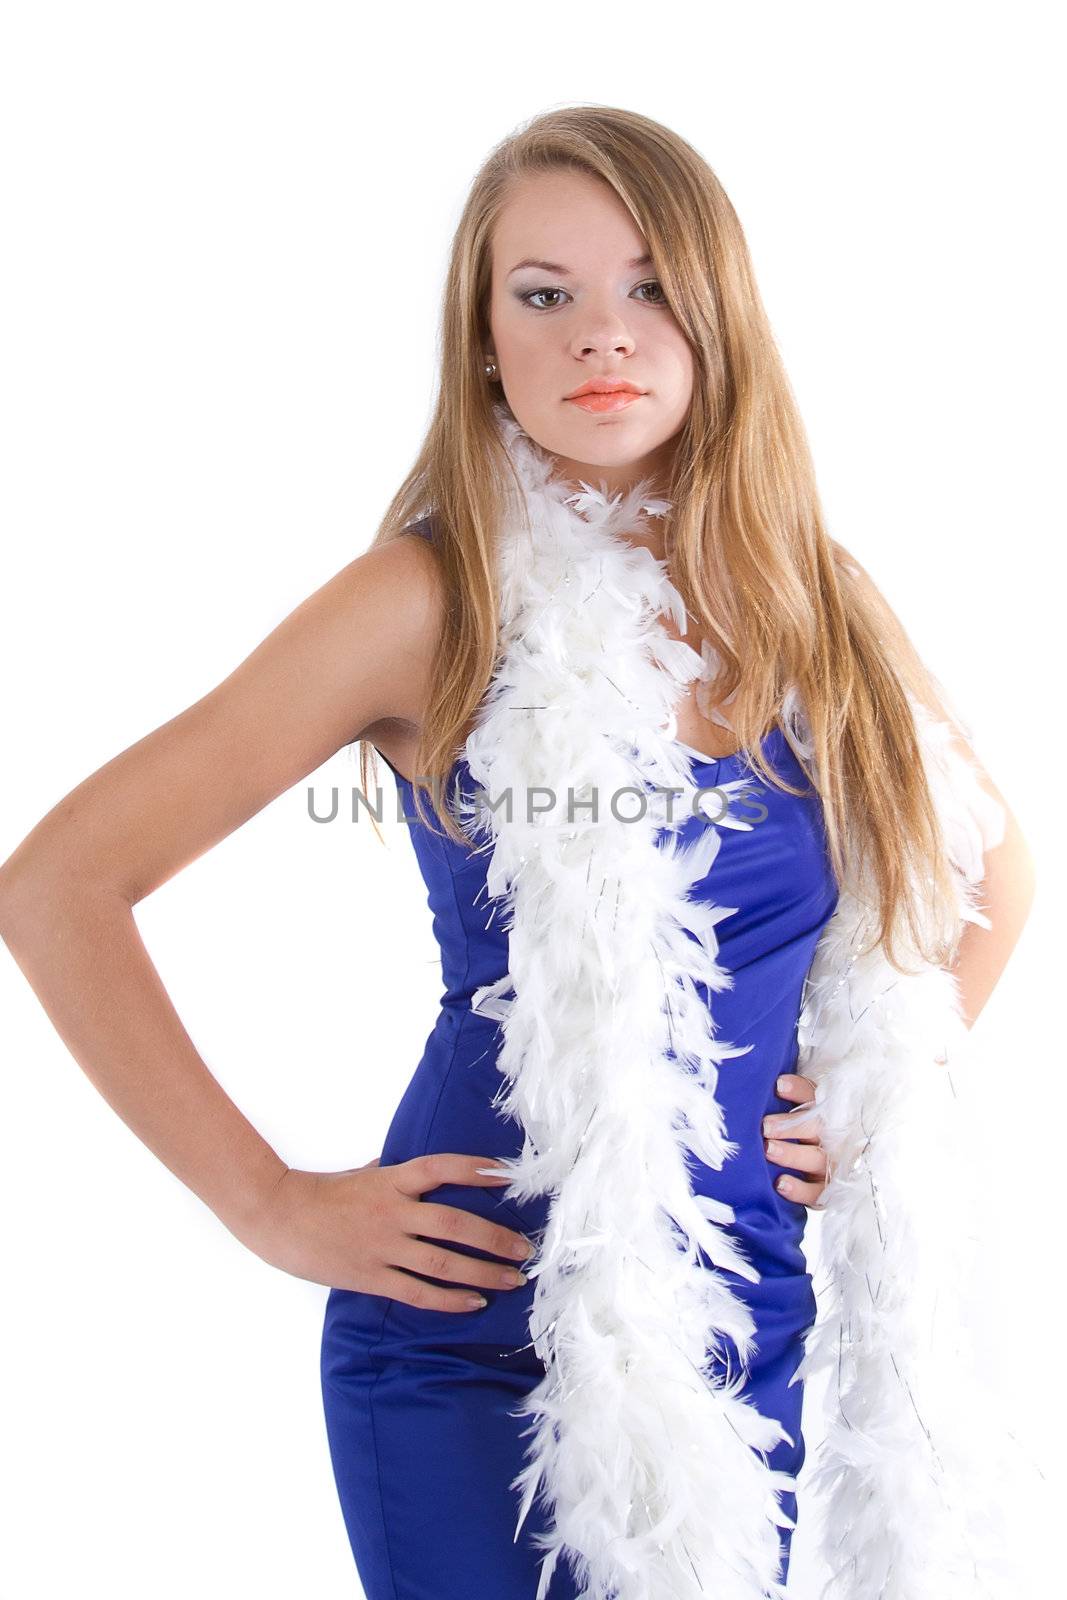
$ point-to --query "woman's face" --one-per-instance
(588, 308)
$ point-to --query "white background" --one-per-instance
(225, 233)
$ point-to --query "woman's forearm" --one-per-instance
(80, 948)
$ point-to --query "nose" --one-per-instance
(610, 336)
(618, 346)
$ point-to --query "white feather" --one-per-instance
(652, 1469)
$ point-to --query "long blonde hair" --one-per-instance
(748, 548)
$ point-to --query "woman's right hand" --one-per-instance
(359, 1229)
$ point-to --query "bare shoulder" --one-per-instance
(363, 645)
(393, 598)
(358, 651)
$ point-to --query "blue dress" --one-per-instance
(418, 1403)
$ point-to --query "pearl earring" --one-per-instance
(490, 369)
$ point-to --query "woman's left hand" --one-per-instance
(787, 1145)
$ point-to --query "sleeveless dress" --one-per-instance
(418, 1403)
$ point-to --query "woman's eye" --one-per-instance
(531, 296)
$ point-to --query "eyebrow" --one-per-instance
(565, 272)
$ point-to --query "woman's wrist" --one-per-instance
(247, 1189)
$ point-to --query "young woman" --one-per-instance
(609, 559)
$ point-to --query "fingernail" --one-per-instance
(782, 1085)
(785, 1185)
(476, 1301)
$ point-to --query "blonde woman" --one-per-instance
(606, 356)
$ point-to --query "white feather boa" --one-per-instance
(653, 1469)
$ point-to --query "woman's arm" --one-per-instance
(358, 650)
(1009, 879)
(1008, 886)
